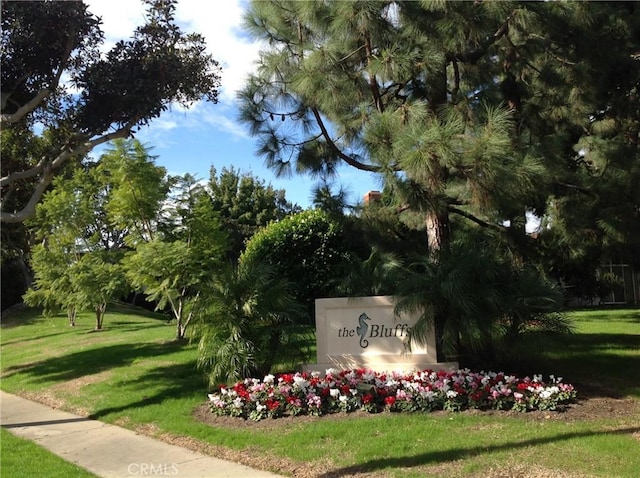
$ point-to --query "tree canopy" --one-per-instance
(55, 80)
(245, 204)
(473, 112)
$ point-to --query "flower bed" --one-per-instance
(350, 390)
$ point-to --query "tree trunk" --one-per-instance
(438, 232)
(100, 310)
(438, 236)
(71, 315)
(181, 330)
(181, 325)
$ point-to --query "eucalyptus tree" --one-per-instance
(55, 79)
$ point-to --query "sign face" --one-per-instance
(365, 333)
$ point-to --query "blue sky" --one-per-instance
(205, 135)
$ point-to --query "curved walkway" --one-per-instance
(107, 450)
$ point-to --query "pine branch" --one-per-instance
(474, 56)
(346, 158)
(473, 218)
(373, 82)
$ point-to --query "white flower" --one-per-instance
(237, 403)
(260, 407)
(343, 398)
(269, 378)
(334, 392)
(544, 394)
(452, 394)
(428, 394)
(368, 376)
(300, 382)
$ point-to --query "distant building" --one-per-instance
(626, 288)
(372, 196)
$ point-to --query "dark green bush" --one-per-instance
(308, 249)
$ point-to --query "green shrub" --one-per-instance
(308, 249)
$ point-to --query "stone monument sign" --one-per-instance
(364, 332)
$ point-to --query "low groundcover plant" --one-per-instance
(312, 393)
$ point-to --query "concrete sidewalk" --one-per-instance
(108, 450)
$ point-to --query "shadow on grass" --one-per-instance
(178, 380)
(92, 361)
(438, 457)
(30, 339)
(175, 380)
(21, 316)
(606, 364)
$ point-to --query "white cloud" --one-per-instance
(223, 119)
(221, 28)
(119, 18)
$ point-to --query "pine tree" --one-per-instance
(474, 113)
(475, 110)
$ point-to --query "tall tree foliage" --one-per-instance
(474, 113)
(45, 42)
(76, 263)
(174, 266)
(476, 110)
(245, 204)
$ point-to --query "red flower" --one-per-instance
(367, 398)
(476, 396)
(390, 400)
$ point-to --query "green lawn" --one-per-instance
(134, 374)
(604, 353)
(22, 458)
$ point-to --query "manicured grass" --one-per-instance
(604, 353)
(20, 458)
(134, 374)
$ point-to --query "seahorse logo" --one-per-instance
(362, 329)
